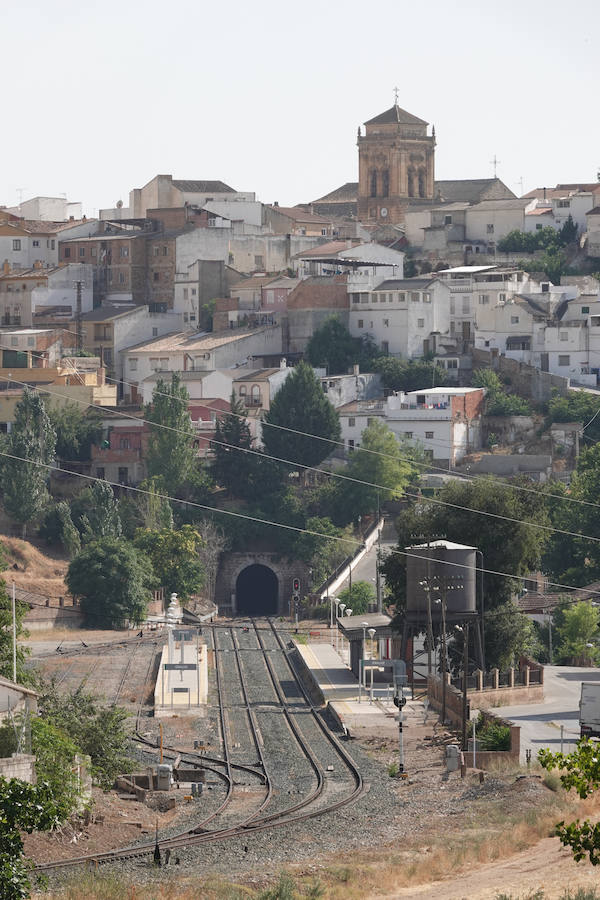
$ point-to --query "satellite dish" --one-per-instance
(119, 204)
(383, 212)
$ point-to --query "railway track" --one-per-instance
(292, 703)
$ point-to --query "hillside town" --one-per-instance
(299, 534)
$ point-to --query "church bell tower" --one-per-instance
(395, 166)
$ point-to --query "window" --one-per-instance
(364, 298)
(36, 243)
(259, 262)
(420, 323)
(121, 278)
(484, 299)
(16, 244)
(360, 323)
(370, 421)
(30, 342)
(414, 296)
(564, 360)
(123, 475)
(323, 231)
(489, 229)
(156, 251)
(402, 298)
(351, 422)
(585, 309)
(408, 434)
(447, 220)
(466, 305)
(243, 390)
(502, 298)
(100, 472)
(14, 342)
(452, 364)
(82, 251)
(386, 323)
(385, 347)
(427, 298)
(67, 252)
(124, 444)
(564, 335)
(429, 435)
(193, 292)
(356, 298)
(123, 252)
(514, 320)
(165, 251)
(185, 293)
(52, 244)
(350, 445)
(563, 204)
(538, 226)
(452, 306)
(375, 298)
(156, 276)
(94, 251)
(155, 332)
(133, 365)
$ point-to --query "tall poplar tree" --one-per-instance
(31, 444)
(171, 445)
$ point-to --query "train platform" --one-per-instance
(357, 711)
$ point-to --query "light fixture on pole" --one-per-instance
(340, 646)
(364, 626)
(372, 633)
(348, 612)
(337, 602)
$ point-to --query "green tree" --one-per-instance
(580, 771)
(409, 374)
(508, 635)
(101, 519)
(174, 558)
(380, 461)
(497, 401)
(58, 528)
(322, 554)
(31, 443)
(28, 808)
(358, 597)
(98, 731)
(236, 465)
(577, 406)
(578, 630)
(568, 232)
(148, 508)
(76, 431)
(113, 580)
(171, 450)
(333, 347)
(301, 406)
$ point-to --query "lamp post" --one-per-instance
(465, 632)
(364, 626)
(341, 609)
(427, 588)
(336, 600)
(348, 612)
(372, 633)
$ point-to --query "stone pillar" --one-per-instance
(511, 677)
(479, 675)
(496, 677)
(526, 676)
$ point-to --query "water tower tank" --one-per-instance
(438, 560)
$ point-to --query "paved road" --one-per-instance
(540, 722)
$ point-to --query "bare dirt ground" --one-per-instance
(39, 570)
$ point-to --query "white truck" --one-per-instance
(589, 709)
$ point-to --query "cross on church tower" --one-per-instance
(396, 92)
(495, 163)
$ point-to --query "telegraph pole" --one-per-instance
(465, 685)
(78, 328)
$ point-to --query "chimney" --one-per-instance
(356, 369)
(544, 193)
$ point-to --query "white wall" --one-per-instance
(208, 385)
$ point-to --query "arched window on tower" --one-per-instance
(421, 182)
(385, 183)
(411, 183)
(373, 185)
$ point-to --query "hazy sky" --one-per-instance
(267, 95)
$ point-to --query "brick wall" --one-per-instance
(19, 765)
(527, 381)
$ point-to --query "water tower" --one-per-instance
(442, 581)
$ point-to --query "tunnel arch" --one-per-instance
(257, 591)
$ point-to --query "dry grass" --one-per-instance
(75, 634)
(33, 569)
(488, 832)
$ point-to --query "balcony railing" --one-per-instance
(253, 401)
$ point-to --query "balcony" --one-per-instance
(252, 401)
(11, 320)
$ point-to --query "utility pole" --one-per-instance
(14, 631)
(465, 677)
(549, 614)
(78, 328)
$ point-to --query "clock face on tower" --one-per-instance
(383, 212)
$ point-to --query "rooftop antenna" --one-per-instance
(495, 162)
(396, 92)
(520, 183)
(20, 192)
